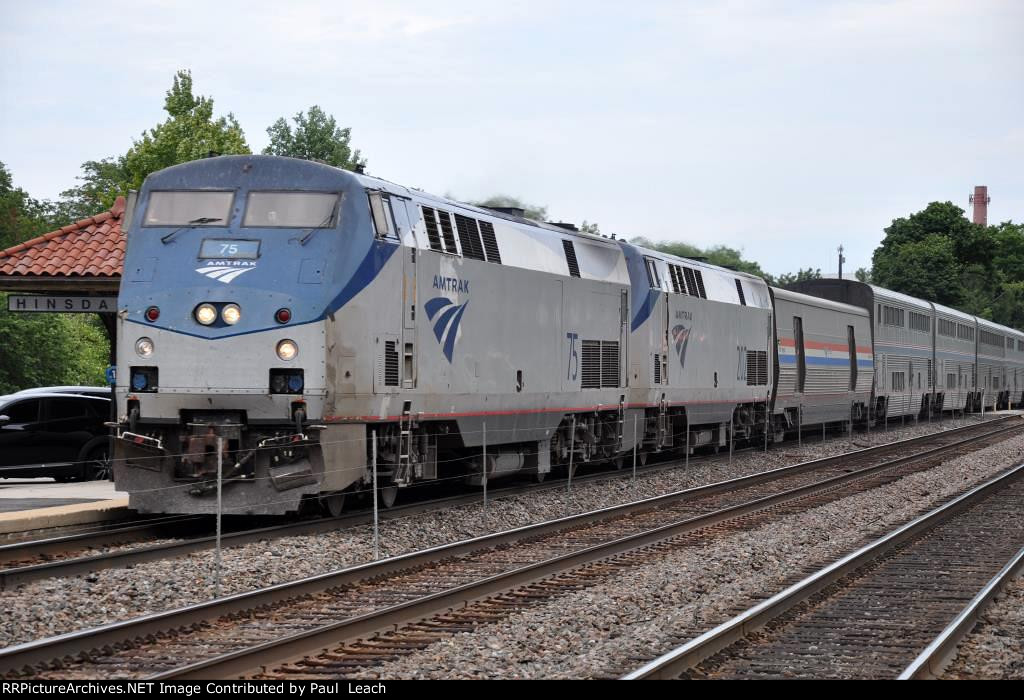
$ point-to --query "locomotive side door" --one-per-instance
(659, 325)
(406, 214)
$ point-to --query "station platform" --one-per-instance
(33, 504)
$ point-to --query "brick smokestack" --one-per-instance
(980, 200)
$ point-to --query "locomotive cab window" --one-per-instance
(188, 208)
(291, 210)
(652, 273)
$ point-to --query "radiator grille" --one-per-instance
(657, 370)
(490, 242)
(757, 367)
(570, 257)
(447, 232)
(432, 232)
(609, 364)
(390, 363)
(590, 364)
(599, 364)
(469, 237)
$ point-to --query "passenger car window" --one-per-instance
(23, 411)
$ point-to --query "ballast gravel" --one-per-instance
(994, 650)
(648, 610)
(56, 606)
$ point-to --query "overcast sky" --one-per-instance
(781, 128)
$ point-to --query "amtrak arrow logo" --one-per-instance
(681, 336)
(222, 273)
(446, 326)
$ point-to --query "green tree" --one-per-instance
(926, 268)
(189, 132)
(956, 258)
(316, 136)
(537, 213)
(720, 255)
(863, 274)
(21, 216)
(50, 349)
(102, 182)
(800, 275)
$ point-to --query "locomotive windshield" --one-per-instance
(291, 210)
(188, 208)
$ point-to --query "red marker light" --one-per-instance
(152, 314)
(283, 315)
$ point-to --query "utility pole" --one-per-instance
(841, 261)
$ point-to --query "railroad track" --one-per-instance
(82, 553)
(410, 599)
(893, 609)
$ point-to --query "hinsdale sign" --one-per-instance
(62, 304)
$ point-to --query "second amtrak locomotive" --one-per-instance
(293, 322)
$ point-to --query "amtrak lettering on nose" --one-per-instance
(225, 270)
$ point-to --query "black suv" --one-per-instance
(54, 434)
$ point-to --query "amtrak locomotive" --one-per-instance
(295, 323)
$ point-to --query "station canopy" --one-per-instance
(85, 257)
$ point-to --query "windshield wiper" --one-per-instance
(191, 224)
(310, 232)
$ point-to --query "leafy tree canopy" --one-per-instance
(938, 254)
(21, 216)
(189, 132)
(316, 136)
(50, 349)
(800, 275)
(537, 213)
(720, 255)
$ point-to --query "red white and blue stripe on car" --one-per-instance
(822, 354)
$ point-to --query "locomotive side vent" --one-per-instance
(469, 237)
(739, 290)
(390, 363)
(447, 232)
(609, 363)
(590, 365)
(490, 242)
(700, 284)
(678, 283)
(570, 257)
(599, 364)
(432, 232)
(657, 370)
(694, 282)
(757, 367)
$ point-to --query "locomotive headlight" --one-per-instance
(287, 350)
(206, 314)
(231, 314)
(144, 347)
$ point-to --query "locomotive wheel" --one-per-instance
(333, 505)
(388, 495)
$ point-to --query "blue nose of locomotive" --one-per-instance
(265, 242)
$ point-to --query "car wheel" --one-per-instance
(98, 464)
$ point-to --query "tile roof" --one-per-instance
(92, 247)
